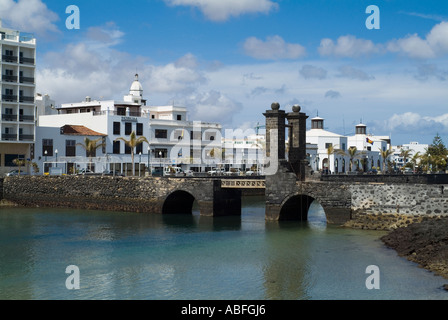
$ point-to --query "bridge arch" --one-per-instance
(296, 207)
(178, 201)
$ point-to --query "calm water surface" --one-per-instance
(142, 256)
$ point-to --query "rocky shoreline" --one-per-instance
(424, 242)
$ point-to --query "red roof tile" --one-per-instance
(79, 131)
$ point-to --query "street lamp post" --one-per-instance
(56, 152)
(139, 163)
(149, 166)
(45, 165)
(160, 158)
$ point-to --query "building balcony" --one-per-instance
(9, 78)
(26, 118)
(24, 60)
(26, 137)
(9, 137)
(9, 97)
(26, 99)
(9, 117)
(8, 58)
(26, 80)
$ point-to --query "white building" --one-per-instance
(243, 151)
(328, 151)
(320, 140)
(371, 147)
(173, 140)
(17, 86)
(413, 147)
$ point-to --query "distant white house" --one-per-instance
(413, 147)
(328, 151)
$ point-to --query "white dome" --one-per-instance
(136, 87)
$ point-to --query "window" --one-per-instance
(161, 153)
(343, 147)
(179, 117)
(116, 147)
(47, 145)
(127, 149)
(127, 128)
(195, 135)
(139, 129)
(209, 136)
(117, 127)
(70, 148)
(139, 148)
(121, 111)
(161, 134)
(9, 159)
(328, 145)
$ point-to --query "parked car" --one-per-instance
(233, 172)
(173, 171)
(253, 173)
(85, 171)
(16, 173)
(111, 173)
(157, 172)
(215, 172)
(408, 171)
(189, 173)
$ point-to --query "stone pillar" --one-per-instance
(226, 202)
(297, 141)
(275, 132)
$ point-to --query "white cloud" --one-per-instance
(411, 122)
(174, 78)
(94, 68)
(312, 72)
(428, 71)
(435, 44)
(221, 10)
(28, 16)
(347, 47)
(212, 106)
(354, 73)
(274, 48)
(332, 94)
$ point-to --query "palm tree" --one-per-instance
(91, 146)
(405, 154)
(19, 162)
(385, 154)
(132, 143)
(352, 153)
(415, 160)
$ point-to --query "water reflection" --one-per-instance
(143, 256)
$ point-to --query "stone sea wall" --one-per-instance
(105, 193)
(389, 206)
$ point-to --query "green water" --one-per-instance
(141, 256)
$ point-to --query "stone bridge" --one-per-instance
(288, 185)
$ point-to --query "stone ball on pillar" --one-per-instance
(296, 108)
(275, 106)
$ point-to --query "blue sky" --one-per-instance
(227, 61)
